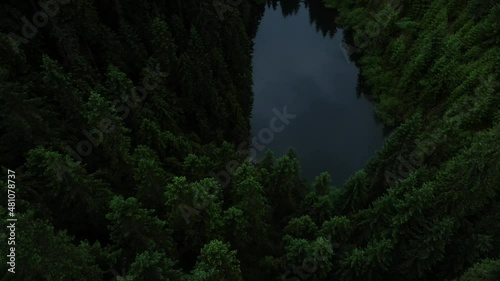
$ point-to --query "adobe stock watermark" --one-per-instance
(48, 9)
(415, 159)
(105, 126)
(223, 6)
(372, 29)
(265, 136)
(426, 148)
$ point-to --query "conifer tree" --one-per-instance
(217, 262)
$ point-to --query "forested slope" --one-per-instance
(427, 206)
(102, 104)
(127, 126)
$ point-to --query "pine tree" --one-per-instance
(134, 230)
(217, 262)
(40, 242)
(151, 178)
(487, 270)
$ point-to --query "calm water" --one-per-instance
(298, 63)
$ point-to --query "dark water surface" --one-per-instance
(298, 63)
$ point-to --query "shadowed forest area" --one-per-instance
(126, 153)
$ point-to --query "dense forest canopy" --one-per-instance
(126, 127)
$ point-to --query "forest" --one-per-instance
(125, 146)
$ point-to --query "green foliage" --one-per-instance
(355, 190)
(37, 240)
(486, 270)
(322, 183)
(151, 266)
(57, 178)
(364, 262)
(268, 161)
(194, 210)
(135, 230)
(337, 229)
(248, 197)
(122, 120)
(301, 227)
(151, 178)
(285, 188)
(217, 262)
